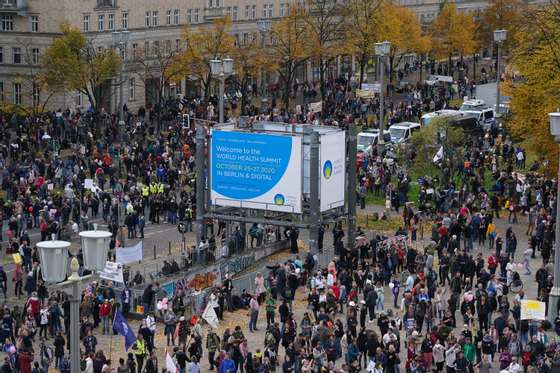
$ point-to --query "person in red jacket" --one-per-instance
(24, 360)
(105, 311)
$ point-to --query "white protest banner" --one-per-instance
(130, 254)
(533, 310)
(112, 272)
(88, 184)
(316, 107)
(372, 87)
(210, 316)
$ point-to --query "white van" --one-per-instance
(427, 118)
(367, 139)
(402, 132)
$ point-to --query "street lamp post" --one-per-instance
(499, 37)
(221, 69)
(120, 38)
(382, 50)
(264, 26)
(554, 295)
(54, 266)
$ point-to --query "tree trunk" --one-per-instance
(322, 78)
(362, 68)
(449, 72)
(474, 66)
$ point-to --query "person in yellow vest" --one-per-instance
(153, 188)
(140, 351)
(145, 191)
(160, 188)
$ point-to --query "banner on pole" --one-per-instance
(210, 316)
(130, 254)
(112, 272)
(316, 107)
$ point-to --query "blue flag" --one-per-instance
(120, 325)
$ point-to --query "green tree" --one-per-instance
(72, 63)
(427, 142)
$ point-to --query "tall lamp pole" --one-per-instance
(221, 69)
(499, 38)
(554, 295)
(382, 50)
(54, 266)
(264, 26)
(120, 38)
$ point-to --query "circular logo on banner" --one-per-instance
(279, 199)
(327, 169)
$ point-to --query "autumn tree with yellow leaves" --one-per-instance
(72, 63)
(290, 49)
(213, 41)
(361, 30)
(324, 22)
(537, 59)
(501, 15)
(400, 26)
(251, 60)
(452, 34)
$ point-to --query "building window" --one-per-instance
(270, 11)
(176, 17)
(107, 3)
(247, 11)
(35, 56)
(168, 18)
(148, 18)
(134, 50)
(245, 38)
(36, 94)
(16, 53)
(253, 12)
(34, 22)
(131, 89)
(1, 55)
(155, 18)
(111, 21)
(282, 9)
(235, 13)
(196, 12)
(214, 3)
(125, 20)
(156, 47)
(228, 11)
(177, 44)
(101, 22)
(17, 93)
(146, 48)
(189, 16)
(1, 91)
(168, 47)
(7, 23)
(86, 23)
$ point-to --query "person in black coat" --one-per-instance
(59, 343)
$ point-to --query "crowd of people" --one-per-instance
(387, 304)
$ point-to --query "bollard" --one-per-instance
(169, 246)
(154, 251)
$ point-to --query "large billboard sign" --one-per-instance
(332, 170)
(259, 171)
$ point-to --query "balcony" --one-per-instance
(213, 13)
(106, 4)
(13, 6)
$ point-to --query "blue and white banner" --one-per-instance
(130, 254)
(333, 170)
(258, 171)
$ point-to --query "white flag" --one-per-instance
(210, 316)
(169, 363)
(439, 155)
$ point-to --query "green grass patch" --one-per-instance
(390, 225)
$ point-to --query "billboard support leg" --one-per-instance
(314, 220)
(200, 163)
(351, 184)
